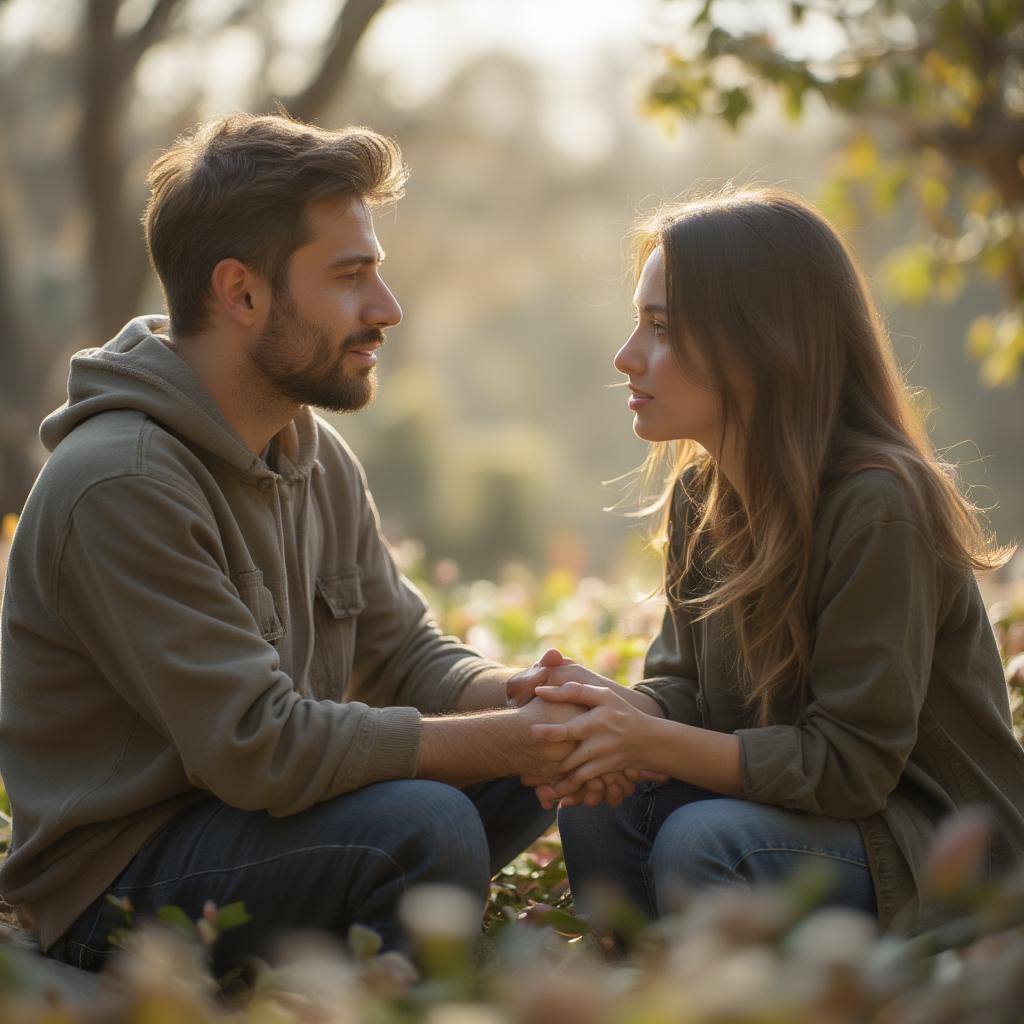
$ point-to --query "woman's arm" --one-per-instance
(614, 736)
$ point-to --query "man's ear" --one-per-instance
(242, 294)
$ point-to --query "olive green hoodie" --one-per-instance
(182, 617)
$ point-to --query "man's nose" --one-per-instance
(385, 311)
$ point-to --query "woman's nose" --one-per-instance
(627, 360)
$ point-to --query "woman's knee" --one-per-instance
(725, 841)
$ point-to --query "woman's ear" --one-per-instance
(242, 295)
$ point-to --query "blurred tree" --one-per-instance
(76, 144)
(938, 87)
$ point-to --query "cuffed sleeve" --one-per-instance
(143, 586)
(870, 666)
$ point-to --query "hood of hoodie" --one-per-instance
(138, 370)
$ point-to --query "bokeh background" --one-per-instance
(536, 130)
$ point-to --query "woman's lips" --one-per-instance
(638, 399)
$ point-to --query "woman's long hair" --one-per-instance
(756, 278)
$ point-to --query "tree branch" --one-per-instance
(348, 29)
(149, 32)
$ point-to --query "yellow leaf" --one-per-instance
(980, 336)
(861, 157)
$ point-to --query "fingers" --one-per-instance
(520, 687)
(547, 796)
(552, 657)
(555, 733)
(577, 693)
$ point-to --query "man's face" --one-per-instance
(319, 344)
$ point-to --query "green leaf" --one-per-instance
(231, 916)
(364, 942)
(177, 918)
(737, 105)
(793, 98)
(703, 16)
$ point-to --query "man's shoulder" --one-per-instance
(121, 444)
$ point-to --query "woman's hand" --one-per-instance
(567, 671)
(610, 788)
(612, 736)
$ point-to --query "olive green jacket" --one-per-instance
(907, 717)
(182, 618)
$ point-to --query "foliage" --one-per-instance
(760, 956)
(936, 91)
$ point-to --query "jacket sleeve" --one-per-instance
(670, 670)
(142, 583)
(874, 635)
(401, 656)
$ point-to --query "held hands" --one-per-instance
(609, 786)
(612, 737)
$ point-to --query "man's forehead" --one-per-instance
(346, 222)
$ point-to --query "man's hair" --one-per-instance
(238, 188)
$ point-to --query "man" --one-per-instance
(215, 683)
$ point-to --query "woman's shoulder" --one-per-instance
(865, 498)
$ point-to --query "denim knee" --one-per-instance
(695, 847)
(725, 841)
(441, 833)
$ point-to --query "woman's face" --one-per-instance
(667, 404)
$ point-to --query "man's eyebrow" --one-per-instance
(357, 259)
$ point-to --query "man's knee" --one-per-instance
(438, 832)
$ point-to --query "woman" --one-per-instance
(826, 686)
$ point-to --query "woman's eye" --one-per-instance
(658, 328)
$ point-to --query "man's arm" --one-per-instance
(462, 749)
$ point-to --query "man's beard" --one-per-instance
(300, 361)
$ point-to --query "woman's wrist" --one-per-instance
(644, 702)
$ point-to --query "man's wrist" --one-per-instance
(486, 691)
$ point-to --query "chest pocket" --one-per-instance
(338, 602)
(260, 601)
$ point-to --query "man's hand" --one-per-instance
(612, 788)
(520, 688)
(614, 737)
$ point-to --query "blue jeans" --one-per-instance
(341, 861)
(677, 838)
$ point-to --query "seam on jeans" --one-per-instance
(799, 849)
(644, 827)
(258, 863)
(92, 928)
(83, 948)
